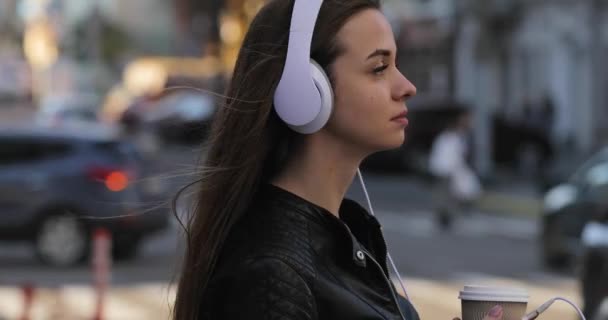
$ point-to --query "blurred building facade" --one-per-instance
(513, 58)
(495, 55)
(425, 39)
(514, 53)
(498, 56)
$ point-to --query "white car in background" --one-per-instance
(182, 107)
(180, 116)
(58, 110)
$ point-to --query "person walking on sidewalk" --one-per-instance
(456, 185)
(271, 235)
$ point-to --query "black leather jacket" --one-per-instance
(290, 259)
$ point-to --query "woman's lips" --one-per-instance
(403, 121)
(401, 118)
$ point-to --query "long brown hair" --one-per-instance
(248, 143)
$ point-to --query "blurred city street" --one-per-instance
(482, 248)
(106, 109)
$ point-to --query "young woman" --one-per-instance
(271, 235)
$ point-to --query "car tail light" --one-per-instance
(114, 179)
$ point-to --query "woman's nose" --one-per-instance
(404, 88)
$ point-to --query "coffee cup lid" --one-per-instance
(498, 294)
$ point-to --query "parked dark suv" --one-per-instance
(569, 206)
(58, 184)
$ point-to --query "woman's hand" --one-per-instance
(494, 314)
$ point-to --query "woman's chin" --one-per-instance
(397, 141)
(392, 144)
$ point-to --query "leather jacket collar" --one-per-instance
(356, 226)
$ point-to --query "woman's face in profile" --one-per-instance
(369, 89)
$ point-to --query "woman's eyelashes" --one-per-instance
(380, 69)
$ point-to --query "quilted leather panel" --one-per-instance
(265, 289)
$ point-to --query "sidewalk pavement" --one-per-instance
(512, 197)
(510, 204)
(434, 299)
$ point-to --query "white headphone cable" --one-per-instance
(534, 314)
(390, 259)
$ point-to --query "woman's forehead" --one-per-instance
(366, 32)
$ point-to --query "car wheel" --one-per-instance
(553, 260)
(556, 261)
(124, 249)
(602, 312)
(61, 240)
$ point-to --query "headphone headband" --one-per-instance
(298, 100)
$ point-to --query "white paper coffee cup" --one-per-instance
(478, 300)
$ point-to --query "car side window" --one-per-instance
(22, 151)
(596, 189)
(593, 186)
(583, 175)
(597, 176)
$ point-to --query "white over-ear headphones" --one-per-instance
(304, 97)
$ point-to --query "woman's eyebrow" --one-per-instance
(379, 52)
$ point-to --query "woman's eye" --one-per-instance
(379, 69)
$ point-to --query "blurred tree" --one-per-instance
(9, 35)
(98, 38)
(198, 24)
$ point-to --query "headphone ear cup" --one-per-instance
(326, 93)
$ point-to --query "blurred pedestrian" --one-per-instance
(540, 116)
(456, 184)
(547, 116)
